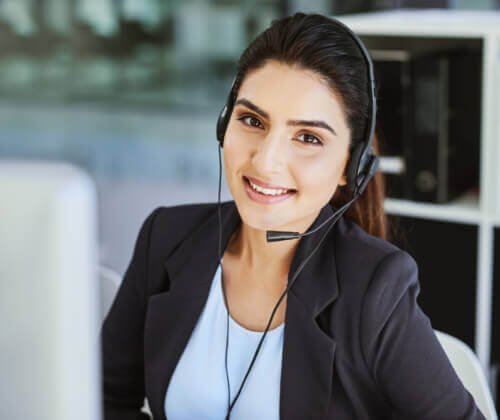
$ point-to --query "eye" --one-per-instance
(310, 139)
(251, 121)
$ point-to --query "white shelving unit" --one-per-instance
(485, 211)
(463, 210)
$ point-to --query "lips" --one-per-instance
(261, 198)
(267, 185)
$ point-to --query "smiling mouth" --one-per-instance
(268, 191)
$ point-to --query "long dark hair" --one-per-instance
(318, 43)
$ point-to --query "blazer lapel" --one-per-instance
(308, 351)
(172, 315)
(307, 365)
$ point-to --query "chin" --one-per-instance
(259, 221)
(263, 221)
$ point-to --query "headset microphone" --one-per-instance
(276, 235)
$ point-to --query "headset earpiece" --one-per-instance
(225, 114)
(353, 165)
(362, 166)
(221, 125)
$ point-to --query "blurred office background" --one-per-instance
(130, 91)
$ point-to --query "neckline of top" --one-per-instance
(272, 331)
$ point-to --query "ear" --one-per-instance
(343, 178)
(343, 181)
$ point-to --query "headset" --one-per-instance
(361, 167)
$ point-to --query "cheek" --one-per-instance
(233, 156)
(227, 161)
(319, 177)
(236, 150)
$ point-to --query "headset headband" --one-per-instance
(363, 163)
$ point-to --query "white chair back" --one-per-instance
(470, 372)
(109, 283)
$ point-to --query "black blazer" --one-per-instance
(356, 343)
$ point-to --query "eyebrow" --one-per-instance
(264, 114)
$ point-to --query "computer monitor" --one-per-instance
(49, 296)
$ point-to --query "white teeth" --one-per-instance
(266, 191)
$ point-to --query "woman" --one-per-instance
(323, 326)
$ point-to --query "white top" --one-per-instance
(198, 387)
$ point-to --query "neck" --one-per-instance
(258, 257)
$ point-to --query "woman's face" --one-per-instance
(287, 130)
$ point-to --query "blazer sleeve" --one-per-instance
(402, 351)
(122, 337)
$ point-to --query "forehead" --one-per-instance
(292, 92)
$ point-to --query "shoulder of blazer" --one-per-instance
(170, 226)
(353, 240)
(368, 266)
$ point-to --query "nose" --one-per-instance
(269, 156)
